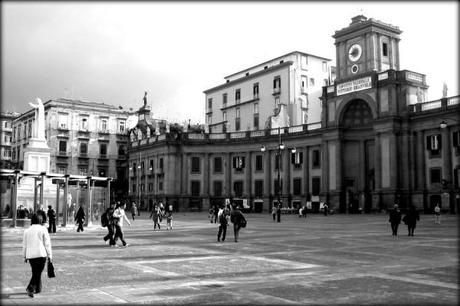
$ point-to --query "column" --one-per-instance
(42, 188)
(88, 202)
(420, 161)
(206, 174)
(268, 174)
(394, 165)
(66, 204)
(286, 177)
(378, 164)
(58, 187)
(228, 175)
(14, 204)
(35, 194)
(446, 151)
(338, 164)
(306, 171)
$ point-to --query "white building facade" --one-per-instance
(281, 92)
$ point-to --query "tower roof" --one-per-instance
(361, 24)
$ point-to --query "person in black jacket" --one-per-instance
(238, 219)
(42, 213)
(51, 219)
(222, 219)
(79, 217)
(411, 218)
(110, 225)
(395, 219)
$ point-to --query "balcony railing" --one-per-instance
(436, 104)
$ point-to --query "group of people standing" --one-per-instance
(160, 212)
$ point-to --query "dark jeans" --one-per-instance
(236, 231)
(394, 228)
(133, 215)
(222, 231)
(119, 234)
(278, 216)
(110, 235)
(37, 265)
(80, 226)
(52, 227)
(410, 230)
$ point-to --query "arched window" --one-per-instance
(357, 114)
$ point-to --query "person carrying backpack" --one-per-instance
(238, 220)
(107, 220)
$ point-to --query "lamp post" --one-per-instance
(443, 123)
(279, 151)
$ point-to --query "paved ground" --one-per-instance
(338, 259)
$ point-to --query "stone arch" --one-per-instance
(343, 107)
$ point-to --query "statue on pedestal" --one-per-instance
(39, 125)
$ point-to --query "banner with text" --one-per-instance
(355, 85)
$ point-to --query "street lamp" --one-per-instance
(279, 151)
(443, 123)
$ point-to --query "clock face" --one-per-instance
(355, 52)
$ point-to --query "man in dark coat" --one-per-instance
(52, 219)
(110, 225)
(411, 218)
(79, 217)
(223, 223)
(395, 219)
(237, 218)
(278, 212)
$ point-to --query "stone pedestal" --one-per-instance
(37, 156)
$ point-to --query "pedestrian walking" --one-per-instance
(437, 214)
(120, 215)
(216, 212)
(211, 214)
(395, 219)
(304, 211)
(411, 218)
(155, 216)
(278, 213)
(238, 220)
(223, 223)
(274, 213)
(80, 217)
(51, 219)
(36, 247)
(169, 218)
(133, 210)
(109, 220)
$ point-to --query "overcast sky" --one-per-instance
(112, 52)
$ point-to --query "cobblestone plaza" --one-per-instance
(338, 259)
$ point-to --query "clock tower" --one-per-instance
(366, 45)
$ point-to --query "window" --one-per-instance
(325, 82)
(62, 169)
(297, 159)
(297, 186)
(316, 159)
(256, 108)
(25, 130)
(456, 139)
(62, 147)
(150, 186)
(277, 102)
(84, 124)
(82, 170)
(209, 104)
(237, 112)
(217, 188)
(121, 150)
(151, 165)
(218, 164)
(224, 116)
(83, 148)
(102, 172)
(63, 119)
(160, 164)
(103, 124)
(259, 163)
(385, 49)
(195, 164)
(224, 100)
(121, 126)
(277, 187)
(29, 132)
(134, 188)
(237, 119)
(258, 188)
(255, 90)
(160, 185)
(195, 186)
(103, 149)
(237, 96)
(134, 169)
(256, 121)
(315, 186)
(312, 82)
(433, 144)
(238, 163)
(304, 80)
(278, 162)
(238, 188)
(209, 119)
(276, 84)
(324, 66)
(435, 175)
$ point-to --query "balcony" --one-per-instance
(103, 131)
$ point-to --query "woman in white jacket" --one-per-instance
(36, 247)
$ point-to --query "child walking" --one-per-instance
(169, 218)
